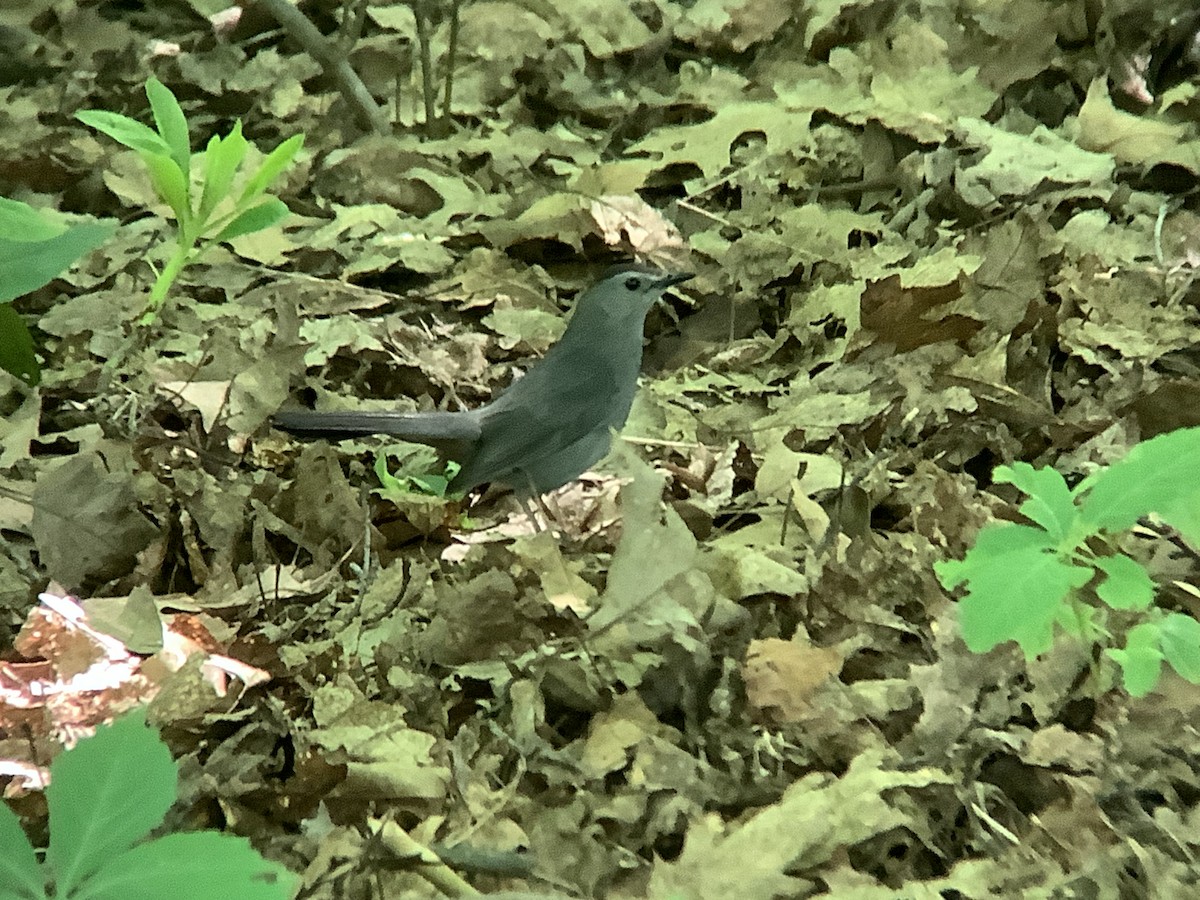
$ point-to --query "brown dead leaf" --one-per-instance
(781, 677)
(630, 224)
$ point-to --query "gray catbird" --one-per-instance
(550, 425)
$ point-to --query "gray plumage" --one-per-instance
(548, 427)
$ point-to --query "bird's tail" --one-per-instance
(423, 428)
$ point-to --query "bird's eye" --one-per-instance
(632, 283)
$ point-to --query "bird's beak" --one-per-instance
(670, 280)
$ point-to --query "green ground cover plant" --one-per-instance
(1023, 580)
(106, 795)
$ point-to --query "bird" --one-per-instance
(548, 426)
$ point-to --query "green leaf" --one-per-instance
(105, 794)
(171, 122)
(434, 485)
(1082, 621)
(1126, 584)
(20, 874)
(16, 347)
(1016, 587)
(1141, 660)
(271, 211)
(388, 482)
(21, 222)
(170, 184)
(1157, 475)
(1181, 645)
(1186, 518)
(991, 550)
(276, 161)
(124, 130)
(204, 865)
(221, 160)
(26, 266)
(394, 488)
(1050, 502)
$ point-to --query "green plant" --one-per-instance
(392, 487)
(1022, 580)
(212, 211)
(105, 796)
(35, 246)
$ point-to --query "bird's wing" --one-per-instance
(539, 418)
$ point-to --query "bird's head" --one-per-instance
(630, 289)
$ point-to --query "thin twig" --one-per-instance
(451, 53)
(335, 65)
(421, 11)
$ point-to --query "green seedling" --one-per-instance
(208, 208)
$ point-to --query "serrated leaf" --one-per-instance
(1050, 502)
(1157, 475)
(1141, 659)
(1185, 517)
(1126, 584)
(124, 130)
(991, 549)
(171, 122)
(270, 212)
(1016, 586)
(106, 793)
(20, 875)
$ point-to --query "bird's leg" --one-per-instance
(531, 513)
(551, 518)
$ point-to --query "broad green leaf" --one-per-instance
(991, 550)
(171, 122)
(21, 877)
(26, 266)
(203, 865)
(276, 161)
(1050, 503)
(124, 130)
(1186, 517)
(21, 222)
(105, 794)
(271, 211)
(1181, 645)
(221, 160)
(1158, 475)
(170, 184)
(1087, 623)
(16, 347)
(1141, 659)
(1126, 584)
(1016, 587)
